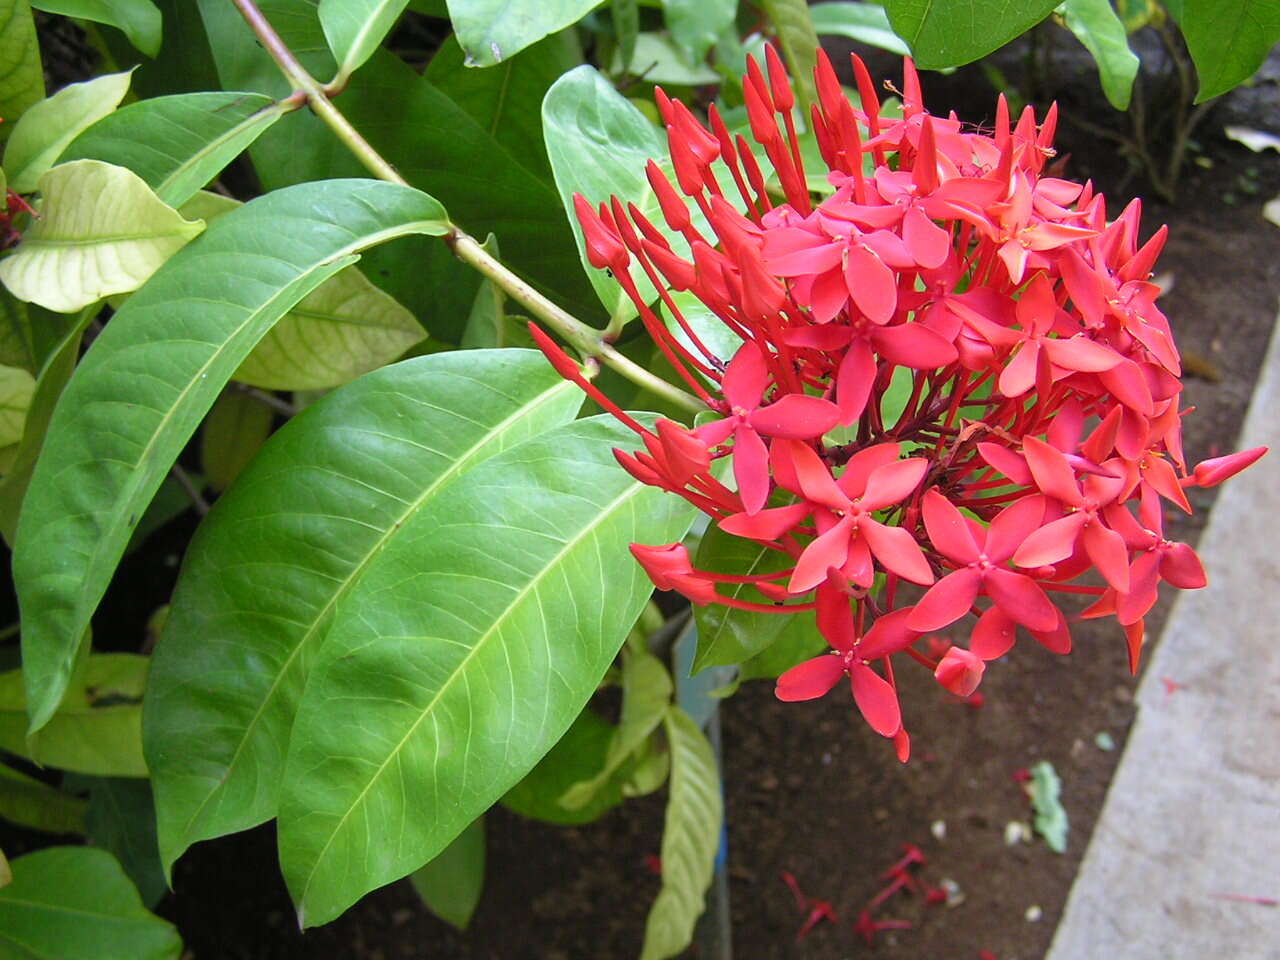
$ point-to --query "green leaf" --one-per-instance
(797, 641)
(1051, 818)
(491, 31)
(151, 376)
(575, 757)
(646, 694)
(101, 231)
(626, 26)
(864, 22)
(21, 76)
(690, 838)
(1228, 41)
(727, 636)
(711, 331)
(177, 144)
(76, 902)
(659, 60)
(98, 728)
(30, 803)
(121, 818)
(16, 389)
(332, 490)
(695, 24)
(1095, 24)
(139, 20)
(949, 33)
(355, 28)
(235, 429)
(47, 127)
(344, 328)
(472, 643)
(451, 884)
(799, 45)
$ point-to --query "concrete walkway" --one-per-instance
(1193, 816)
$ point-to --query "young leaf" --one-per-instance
(471, 644)
(124, 417)
(865, 22)
(1095, 24)
(626, 26)
(177, 144)
(451, 883)
(332, 489)
(30, 803)
(22, 82)
(16, 388)
(491, 31)
(47, 127)
(235, 429)
(98, 728)
(1051, 818)
(344, 328)
(646, 695)
(139, 20)
(101, 231)
(960, 31)
(355, 28)
(690, 838)
(1228, 41)
(76, 902)
(695, 24)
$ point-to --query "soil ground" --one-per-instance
(809, 789)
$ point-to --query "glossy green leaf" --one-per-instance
(101, 231)
(695, 24)
(47, 127)
(179, 143)
(332, 491)
(575, 757)
(16, 389)
(646, 695)
(344, 328)
(21, 76)
(1095, 24)
(1228, 41)
(656, 58)
(75, 903)
(798, 640)
(148, 381)
(490, 31)
(799, 44)
(98, 727)
(235, 429)
(355, 28)
(727, 636)
(711, 331)
(625, 15)
(121, 818)
(139, 20)
(451, 884)
(38, 806)
(17, 347)
(865, 22)
(473, 642)
(690, 838)
(949, 33)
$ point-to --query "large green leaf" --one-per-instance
(690, 838)
(696, 24)
(16, 388)
(799, 43)
(101, 231)
(646, 695)
(451, 884)
(150, 377)
(331, 491)
(139, 20)
(949, 33)
(1228, 41)
(45, 130)
(235, 429)
(355, 28)
(177, 144)
(30, 803)
(121, 818)
(343, 328)
(98, 727)
(864, 22)
(21, 77)
(75, 903)
(491, 31)
(470, 647)
(1095, 24)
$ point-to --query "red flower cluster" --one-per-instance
(1040, 434)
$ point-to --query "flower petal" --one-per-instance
(829, 550)
(765, 524)
(929, 243)
(1107, 551)
(897, 551)
(960, 671)
(946, 601)
(947, 530)
(994, 634)
(854, 380)
(1021, 598)
(876, 700)
(1012, 526)
(746, 377)
(871, 284)
(796, 417)
(811, 679)
(888, 635)
(751, 468)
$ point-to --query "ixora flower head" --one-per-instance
(1039, 432)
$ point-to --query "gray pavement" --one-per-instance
(1192, 819)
